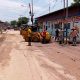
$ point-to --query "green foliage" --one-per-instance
(76, 3)
(22, 20)
(13, 23)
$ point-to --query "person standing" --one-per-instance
(29, 36)
(44, 37)
(61, 37)
(74, 35)
(57, 35)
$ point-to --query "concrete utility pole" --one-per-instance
(66, 8)
(49, 6)
(66, 19)
(65, 2)
(31, 11)
(64, 11)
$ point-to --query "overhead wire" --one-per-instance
(54, 4)
(48, 9)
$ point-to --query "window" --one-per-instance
(48, 24)
(52, 26)
(57, 26)
(67, 26)
(46, 27)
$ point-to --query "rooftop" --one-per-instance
(69, 8)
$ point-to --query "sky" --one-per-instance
(13, 9)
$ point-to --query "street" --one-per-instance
(37, 62)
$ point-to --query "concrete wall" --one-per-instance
(51, 26)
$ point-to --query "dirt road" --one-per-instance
(38, 62)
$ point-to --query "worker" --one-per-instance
(57, 35)
(61, 36)
(74, 35)
(44, 36)
(77, 28)
(29, 36)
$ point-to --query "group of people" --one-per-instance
(43, 36)
(59, 35)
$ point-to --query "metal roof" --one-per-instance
(58, 11)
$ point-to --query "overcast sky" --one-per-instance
(12, 9)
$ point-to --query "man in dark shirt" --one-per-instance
(56, 34)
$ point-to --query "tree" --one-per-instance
(76, 3)
(13, 23)
(22, 20)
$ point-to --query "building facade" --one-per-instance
(58, 19)
(4, 25)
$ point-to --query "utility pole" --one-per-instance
(66, 19)
(31, 11)
(65, 2)
(49, 6)
(66, 8)
(32, 14)
(64, 11)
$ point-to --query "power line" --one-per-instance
(47, 9)
(55, 4)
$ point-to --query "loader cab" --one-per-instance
(34, 28)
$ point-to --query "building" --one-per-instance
(4, 25)
(58, 20)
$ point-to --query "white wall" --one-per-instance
(52, 31)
